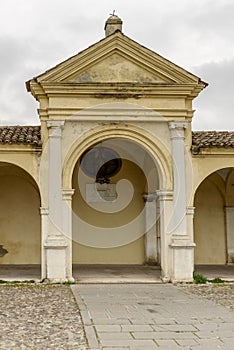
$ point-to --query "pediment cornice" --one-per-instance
(168, 75)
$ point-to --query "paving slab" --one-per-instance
(152, 316)
(116, 274)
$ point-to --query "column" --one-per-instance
(150, 229)
(165, 199)
(44, 233)
(56, 243)
(182, 245)
(190, 222)
(178, 157)
(67, 229)
(55, 175)
(230, 234)
(183, 252)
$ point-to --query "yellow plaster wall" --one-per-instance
(23, 156)
(19, 217)
(131, 253)
(209, 222)
(204, 165)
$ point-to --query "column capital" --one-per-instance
(190, 210)
(177, 129)
(44, 211)
(165, 195)
(149, 197)
(67, 194)
(55, 127)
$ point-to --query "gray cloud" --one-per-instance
(215, 104)
(198, 36)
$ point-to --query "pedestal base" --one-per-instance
(56, 260)
(182, 260)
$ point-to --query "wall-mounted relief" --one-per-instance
(100, 192)
(101, 163)
(3, 251)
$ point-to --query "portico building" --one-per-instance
(114, 173)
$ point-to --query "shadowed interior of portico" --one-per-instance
(112, 273)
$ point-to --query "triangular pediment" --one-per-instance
(117, 58)
(116, 67)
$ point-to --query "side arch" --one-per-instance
(207, 167)
(26, 161)
(156, 149)
(209, 220)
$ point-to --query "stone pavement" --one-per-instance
(152, 316)
(116, 274)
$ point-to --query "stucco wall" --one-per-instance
(209, 222)
(206, 164)
(132, 252)
(19, 216)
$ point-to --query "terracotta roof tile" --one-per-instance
(30, 135)
(204, 139)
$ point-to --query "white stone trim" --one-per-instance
(164, 195)
(67, 194)
(165, 198)
(55, 127)
(177, 129)
(151, 249)
(190, 225)
(44, 234)
(67, 229)
(179, 224)
(56, 244)
(229, 211)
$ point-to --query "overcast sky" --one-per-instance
(197, 35)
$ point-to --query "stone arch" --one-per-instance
(20, 225)
(161, 159)
(24, 163)
(209, 171)
(155, 148)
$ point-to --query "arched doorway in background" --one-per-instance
(214, 219)
(20, 232)
(109, 215)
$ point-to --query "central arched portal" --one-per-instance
(114, 205)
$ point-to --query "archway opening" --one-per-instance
(214, 219)
(110, 217)
(20, 235)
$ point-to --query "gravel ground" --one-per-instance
(39, 317)
(222, 294)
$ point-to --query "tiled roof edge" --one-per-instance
(16, 134)
(211, 139)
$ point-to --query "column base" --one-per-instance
(182, 260)
(56, 260)
(59, 280)
(230, 257)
